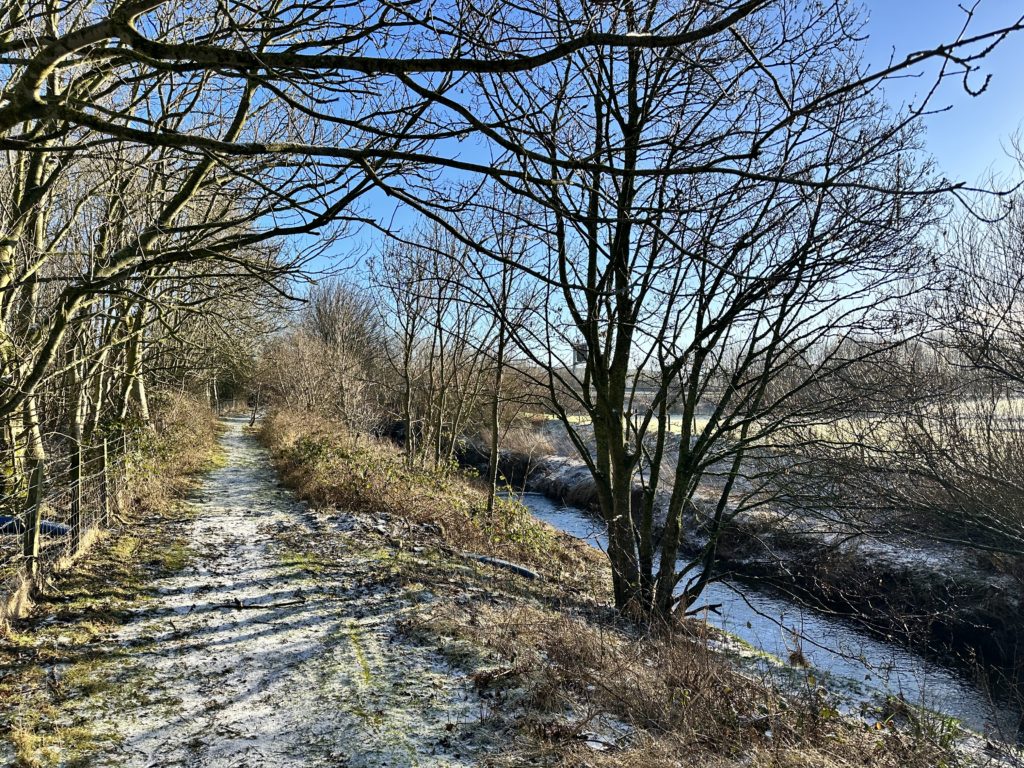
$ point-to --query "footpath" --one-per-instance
(252, 654)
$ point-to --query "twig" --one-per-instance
(238, 605)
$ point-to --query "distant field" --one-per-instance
(979, 417)
(675, 421)
(1004, 415)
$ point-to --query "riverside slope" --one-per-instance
(246, 659)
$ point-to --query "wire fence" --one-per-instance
(49, 507)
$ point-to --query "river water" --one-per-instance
(855, 665)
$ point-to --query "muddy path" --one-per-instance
(255, 655)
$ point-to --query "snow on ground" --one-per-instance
(247, 659)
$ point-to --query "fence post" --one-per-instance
(76, 494)
(104, 487)
(32, 515)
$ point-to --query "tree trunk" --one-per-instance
(495, 447)
(36, 466)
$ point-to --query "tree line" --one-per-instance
(711, 202)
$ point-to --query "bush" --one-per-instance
(362, 474)
(181, 444)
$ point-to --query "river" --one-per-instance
(855, 665)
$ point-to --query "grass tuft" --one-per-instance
(364, 475)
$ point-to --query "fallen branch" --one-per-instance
(519, 570)
(238, 605)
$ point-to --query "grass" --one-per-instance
(52, 664)
(657, 700)
(365, 672)
(304, 561)
(175, 557)
(555, 668)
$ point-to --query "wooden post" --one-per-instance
(255, 406)
(32, 516)
(104, 487)
(76, 494)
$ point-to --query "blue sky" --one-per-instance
(967, 141)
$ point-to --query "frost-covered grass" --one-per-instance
(289, 634)
(581, 690)
(58, 663)
(331, 468)
(258, 649)
(553, 665)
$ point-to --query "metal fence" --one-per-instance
(49, 508)
(48, 512)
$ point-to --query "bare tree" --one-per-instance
(330, 361)
(147, 141)
(939, 453)
(751, 203)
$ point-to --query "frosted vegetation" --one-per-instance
(685, 266)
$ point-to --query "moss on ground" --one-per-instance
(308, 562)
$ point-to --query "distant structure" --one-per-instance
(579, 353)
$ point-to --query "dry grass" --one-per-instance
(562, 674)
(650, 700)
(527, 438)
(360, 474)
(182, 445)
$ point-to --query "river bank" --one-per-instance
(573, 682)
(911, 589)
(864, 672)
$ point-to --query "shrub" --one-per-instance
(181, 444)
(362, 474)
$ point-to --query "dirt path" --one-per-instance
(253, 655)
